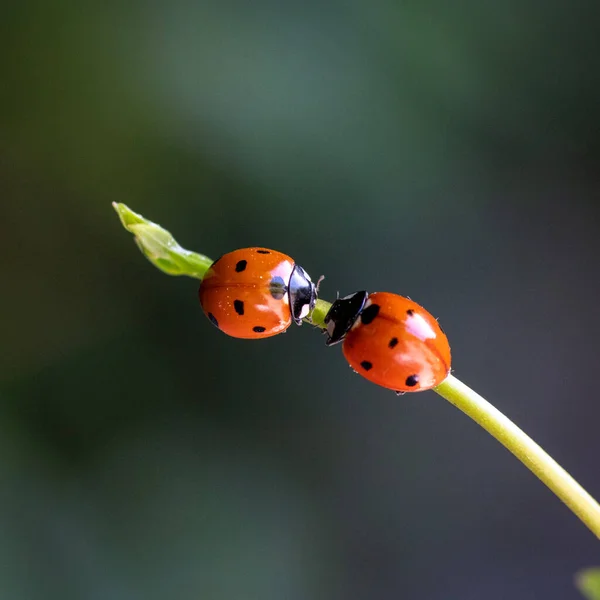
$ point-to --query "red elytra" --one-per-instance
(390, 340)
(256, 293)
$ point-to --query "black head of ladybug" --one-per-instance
(342, 315)
(303, 294)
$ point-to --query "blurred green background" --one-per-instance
(448, 152)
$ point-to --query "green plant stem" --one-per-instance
(161, 249)
(524, 448)
(317, 317)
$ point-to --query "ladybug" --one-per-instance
(256, 293)
(390, 340)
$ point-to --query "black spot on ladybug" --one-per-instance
(259, 329)
(239, 307)
(367, 315)
(277, 288)
(412, 380)
(410, 312)
(241, 266)
(366, 365)
(213, 319)
(393, 342)
(263, 252)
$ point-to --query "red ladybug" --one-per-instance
(390, 340)
(256, 293)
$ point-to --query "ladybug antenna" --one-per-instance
(318, 283)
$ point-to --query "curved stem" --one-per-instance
(317, 317)
(161, 249)
(524, 448)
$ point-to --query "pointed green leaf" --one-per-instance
(160, 247)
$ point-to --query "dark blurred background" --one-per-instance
(449, 152)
